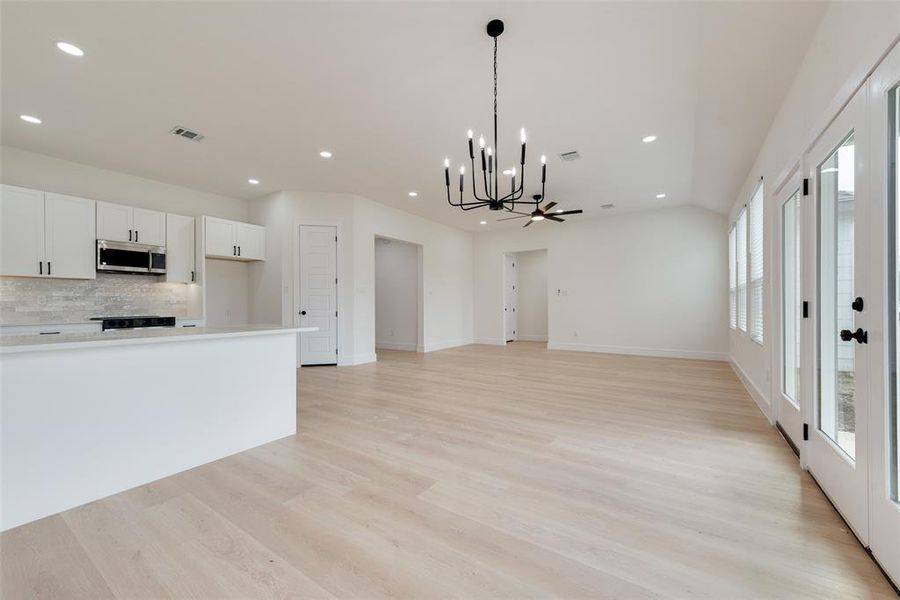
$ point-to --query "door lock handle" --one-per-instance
(302, 312)
(861, 337)
(857, 304)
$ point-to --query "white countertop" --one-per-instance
(10, 344)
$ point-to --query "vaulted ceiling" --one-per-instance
(391, 88)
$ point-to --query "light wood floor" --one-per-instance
(476, 472)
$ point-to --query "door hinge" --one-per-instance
(806, 432)
(805, 186)
(335, 351)
(335, 313)
(806, 309)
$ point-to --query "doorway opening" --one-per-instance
(525, 310)
(398, 295)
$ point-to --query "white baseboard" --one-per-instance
(761, 400)
(637, 351)
(524, 337)
(434, 346)
(489, 341)
(408, 346)
(356, 359)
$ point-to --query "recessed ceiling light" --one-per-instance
(253, 181)
(30, 119)
(660, 196)
(70, 48)
(413, 194)
(559, 210)
(482, 222)
(325, 154)
(648, 138)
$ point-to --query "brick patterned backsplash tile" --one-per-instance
(25, 300)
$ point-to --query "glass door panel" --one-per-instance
(791, 299)
(837, 354)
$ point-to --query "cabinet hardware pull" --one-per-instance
(129, 235)
(239, 250)
(136, 232)
(40, 267)
(234, 250)
(192, 276)
(48, 267)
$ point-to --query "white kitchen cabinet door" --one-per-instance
(149, 227)
(114, 222)
(220, 239)
(21, 232)
(251, 241)
(70, 236)
(180, 265)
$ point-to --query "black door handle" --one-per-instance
(136, 232)
(129, 235)
(302, 312)
(48, 267)
(861, 337)
(857, 304)
(239, 250)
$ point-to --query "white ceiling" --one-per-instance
(391, 88)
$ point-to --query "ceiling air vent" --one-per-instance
(606, 206)
(571, 155)
(186, 133)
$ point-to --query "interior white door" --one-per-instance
(250, 240)
(510, 297)
(884, 331)
(149, 227)
(838, 444)
(317, 302)
(114, 222)
(180, 249)
(70, 242)
(22, 232)
(219, 237)
(791, 321)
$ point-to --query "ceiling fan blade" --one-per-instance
(528, 223)
(548, 206)
(511, 218)
(554, 218)
(569, 212)
(515, 212)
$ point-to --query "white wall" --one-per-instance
(531, 321)
(396, 294)
(446, 257)
(640, 283)
(227, 292)
(851, 39)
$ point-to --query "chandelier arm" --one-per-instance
(475, 185)
(461, 203)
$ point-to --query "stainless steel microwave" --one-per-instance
(127, 257)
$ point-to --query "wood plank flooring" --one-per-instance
(476, 472)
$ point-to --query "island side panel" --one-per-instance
(81, 424)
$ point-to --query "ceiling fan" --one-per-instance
(541, 213)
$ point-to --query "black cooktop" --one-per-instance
(135, 322)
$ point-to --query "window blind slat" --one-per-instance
(756, 265)
(732, 278)
(741, 266)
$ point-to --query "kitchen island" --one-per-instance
(84, 416)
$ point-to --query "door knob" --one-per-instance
(857, 304)
(302, 312)
(861, 337)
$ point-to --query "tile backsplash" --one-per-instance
(26, 301)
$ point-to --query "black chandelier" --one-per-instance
(490, 168)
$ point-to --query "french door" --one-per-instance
(790, 252)
(843, 309)
(884, 336)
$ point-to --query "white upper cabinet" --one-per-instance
(250, 241)
(149, 227)
(180, 249)
(114, 222)
(234, 240)
(120, 223)
(46, 235)
(21, 232)
(69, 236)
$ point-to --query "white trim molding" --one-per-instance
(489, 341)
(435, 346)
(761, 401)
(524, 337)
(409, 347)
(637, 351)
(356, 359)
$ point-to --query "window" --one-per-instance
(894, 294)
(732, 279)
(741, 264)
(790, 297)
(756, 265)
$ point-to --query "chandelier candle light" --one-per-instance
(490, 162)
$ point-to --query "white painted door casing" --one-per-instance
(318, 294)
(21, 232)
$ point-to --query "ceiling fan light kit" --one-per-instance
(491, 170)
